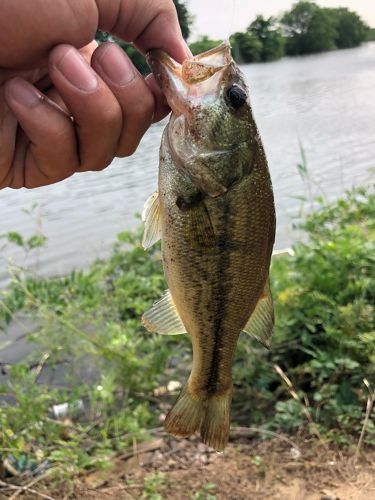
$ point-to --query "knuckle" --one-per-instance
(6, 172)
(97, 166)
(62, 133)
(5, 177)
(109, 116)
(165, 7)
(127, 150)
(141, 108)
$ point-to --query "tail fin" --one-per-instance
(186, 416)
(216, 423)
(211, 416)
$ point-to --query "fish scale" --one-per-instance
(215, 215)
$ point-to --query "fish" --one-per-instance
(214, 213)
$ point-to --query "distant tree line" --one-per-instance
(306, 29)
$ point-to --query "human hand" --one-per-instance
(67, 105)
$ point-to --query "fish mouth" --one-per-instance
(196, 77)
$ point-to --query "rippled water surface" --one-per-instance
(324, 102)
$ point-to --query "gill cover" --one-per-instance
(208, 133)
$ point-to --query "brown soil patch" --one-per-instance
(258, 469)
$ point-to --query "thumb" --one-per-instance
(29, 30)
(148, 24)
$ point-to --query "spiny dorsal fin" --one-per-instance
(152, 220)
(262, 319)
(163, 317)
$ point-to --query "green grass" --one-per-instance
(324, 341)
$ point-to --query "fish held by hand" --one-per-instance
(214, 212)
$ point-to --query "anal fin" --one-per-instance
(163, 317)
(261, 322)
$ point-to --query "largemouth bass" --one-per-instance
(214, 212)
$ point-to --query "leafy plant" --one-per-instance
(152, 484)
(87, 327)
(325, 330)
(206, 492)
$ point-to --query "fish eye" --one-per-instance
(235, 96)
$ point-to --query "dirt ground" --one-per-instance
(250, 468)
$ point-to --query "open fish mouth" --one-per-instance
(194, 78)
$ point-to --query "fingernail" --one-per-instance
(116, 65)
(76, 70)
(24, 93)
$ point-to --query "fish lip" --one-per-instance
(223, 48)
(167, 73)
(154, 56)
(160, 55)
(183, 84)
(157, 58)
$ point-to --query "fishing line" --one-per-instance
(234, 10)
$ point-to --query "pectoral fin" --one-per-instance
(163, 317)
(198, 228)
(261, 321)
(151, 217)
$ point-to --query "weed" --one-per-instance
(86, 327)
(257, 460)
(206, 492)
(152, 484)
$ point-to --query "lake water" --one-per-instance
(325, 102)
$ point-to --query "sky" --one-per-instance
(219, 18)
